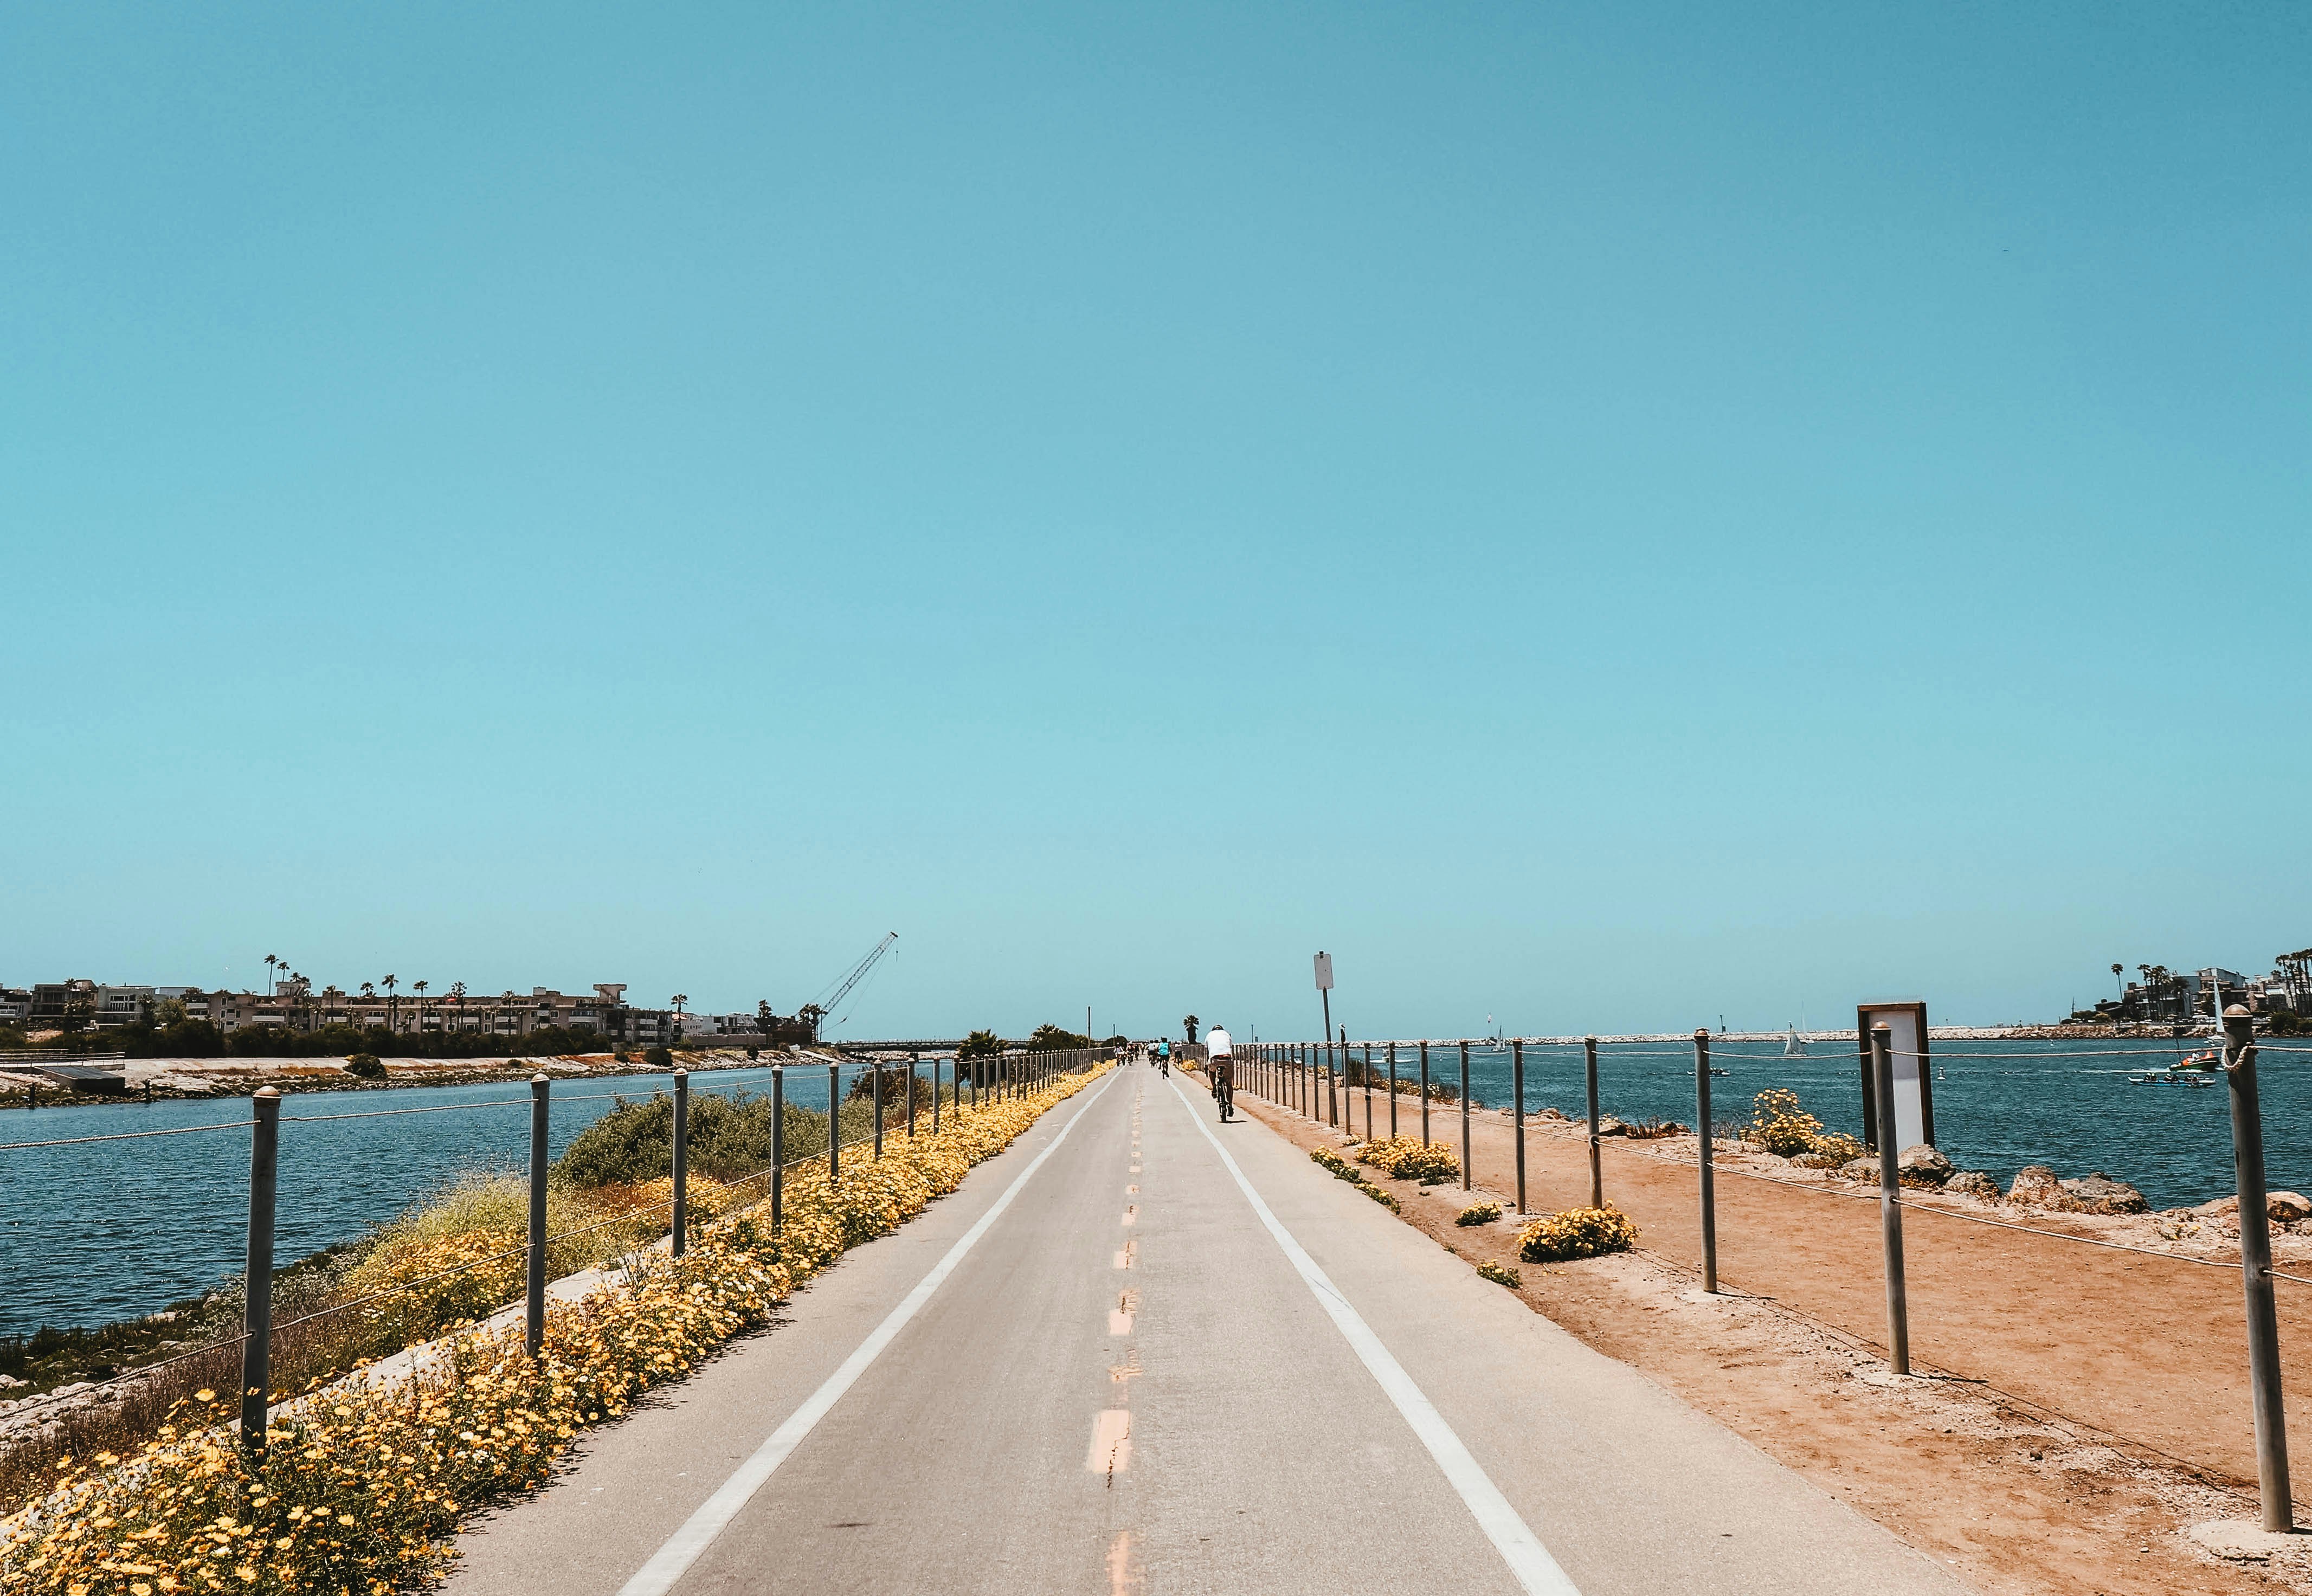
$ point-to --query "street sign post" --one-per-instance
(1324, 991)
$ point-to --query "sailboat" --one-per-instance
(1793, 1045)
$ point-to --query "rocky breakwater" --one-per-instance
(2098, 1204)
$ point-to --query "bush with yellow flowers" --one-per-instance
(1501, 1274)
(1779, 1125)
(1482, 1213)
(1406, 1159)
(1577, 1232)
(362, 1484)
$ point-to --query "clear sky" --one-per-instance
(1604, 516)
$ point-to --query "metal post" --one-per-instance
(833, 1124)
(1368, 1091)
(1890, 1202)
(1597, 1169)
(1424, 1094)
(2256, 1269)
(1708, 1182)
(778, 1141)
(257, 1310)
(1465, 1116)
(534, 1310)
(878, 1067)
(913, 1060)
(1516, 1087)
(1392, 1091)
(681, 1161)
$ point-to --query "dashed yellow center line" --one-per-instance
(1111, 1443)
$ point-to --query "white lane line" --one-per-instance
(683, 1548)
(1530, 1561)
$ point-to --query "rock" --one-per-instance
(2038, 1185)
(2219, 1208)
(1859, 1168)
(2286, 1207)
(2098, 1193)
(1550, 1114)
(1973, 1183)
(1607, 1125)
(1922, 1163)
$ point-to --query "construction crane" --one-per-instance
(802, 1025)
(813, 1012)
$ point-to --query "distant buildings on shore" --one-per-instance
(2161, 993)
(294, 1006)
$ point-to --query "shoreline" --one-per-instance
(180, 1080)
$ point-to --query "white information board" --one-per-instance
(1324, 972)
(1914, 1102)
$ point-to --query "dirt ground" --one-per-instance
(2075, 1412)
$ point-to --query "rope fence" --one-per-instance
(889, 1094)
(1317, 1081)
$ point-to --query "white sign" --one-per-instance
(1324, 972)
(1907, 1040)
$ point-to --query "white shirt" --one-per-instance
(1217, 1043)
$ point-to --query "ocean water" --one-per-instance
(1998, 1105)
(112, 1230)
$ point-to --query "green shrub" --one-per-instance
(1577, 1232)
(1502, 1274)
(1385, 1199)
(1479, 1214)
(366, 1066)
(659, 1057)
(1342, 1169)
(730, 1139)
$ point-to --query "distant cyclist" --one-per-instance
(1164, 1055)
(1219, 1055)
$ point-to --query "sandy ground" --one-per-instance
(2078, 1412)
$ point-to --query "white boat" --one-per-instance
(1793, 1045)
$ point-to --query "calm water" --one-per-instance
(2026, 1103)
(113, 1230)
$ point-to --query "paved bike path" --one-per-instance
(1126, 1385)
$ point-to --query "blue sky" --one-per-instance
(1601, 516)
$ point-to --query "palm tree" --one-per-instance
(392, 1009)
(271, 962)
(675, 1003)
(419, 988)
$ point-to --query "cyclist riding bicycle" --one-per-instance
(1220, 1055)
(1164, 1056)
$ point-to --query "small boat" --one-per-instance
(1793, 1047)
(1716, 1071)
(2188, 1074)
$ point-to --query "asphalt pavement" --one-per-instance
(1144, 1352)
